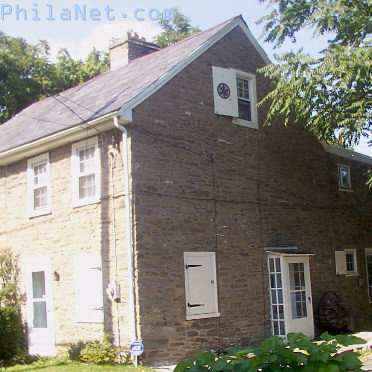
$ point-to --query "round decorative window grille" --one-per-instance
(223, 90)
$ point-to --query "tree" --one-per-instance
(27, 74)
(330, 95)
(175, 29)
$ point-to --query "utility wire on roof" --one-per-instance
(76, 114)
(75, 103)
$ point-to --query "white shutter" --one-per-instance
(226, 104)
(201, 285)
(88, 289)
(340, 258)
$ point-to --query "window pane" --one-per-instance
(87, 186)
(276, 328)
(273, 297)
(87, 159)
(40, 315)
(40, 171)
(280, 296)
(243, 88)
(245, 111)
(297, 276)
(350, 264)
(297, 290)
(38, 284)
(277, 265)
(344, 177)
(40, 197)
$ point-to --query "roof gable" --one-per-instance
(121, 89)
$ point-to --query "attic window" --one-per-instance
(344, 177)
(244, 99)
(235, 96)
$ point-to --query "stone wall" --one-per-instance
(67, 232)
(201, 183)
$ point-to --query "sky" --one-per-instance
(46, 20)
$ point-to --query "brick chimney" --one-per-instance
(124, 50)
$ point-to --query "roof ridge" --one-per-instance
(94, 78)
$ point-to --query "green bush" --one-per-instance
(12, 337)
(296, 353)
(11, 334)
(97, 352)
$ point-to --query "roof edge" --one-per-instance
(45, 144)
(175, 70)
(346, 153)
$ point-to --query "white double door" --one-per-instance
(40, 319)
(290, 295)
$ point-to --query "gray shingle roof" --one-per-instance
(101, 95)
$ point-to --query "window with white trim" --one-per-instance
(86, 172)
(200, 285)
(344, 177)
(244, 98)
(346, 262)
(235, 96)
(38, 185)
(247, 101)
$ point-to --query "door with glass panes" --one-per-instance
(290, 295)
(39, 307)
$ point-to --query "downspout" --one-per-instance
(128, 231)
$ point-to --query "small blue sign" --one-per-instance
(137, 348)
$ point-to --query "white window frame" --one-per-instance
(31, 164)
(340, 185)
(212, 255)
(368, 252)
(354, 253)
(76, 148)
(253, 99)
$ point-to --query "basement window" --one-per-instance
(86, 172)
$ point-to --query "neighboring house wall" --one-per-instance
(68, 232)
(201, 184)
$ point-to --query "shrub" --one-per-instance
(296, 353)
(97, 352)
(12, 340)
(11, 334)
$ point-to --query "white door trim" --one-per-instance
(304, 325)
(41, 342)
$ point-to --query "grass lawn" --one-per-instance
(64, 366)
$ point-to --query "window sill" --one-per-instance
(83, 203)
(41, 213)
(245, 123)
(345, 190)
(351, 274)
(203, 316)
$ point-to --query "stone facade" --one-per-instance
(199, 183)
(67, 232)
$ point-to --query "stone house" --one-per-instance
(151, 203)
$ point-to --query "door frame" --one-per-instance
(285, 259)
(36, 264)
